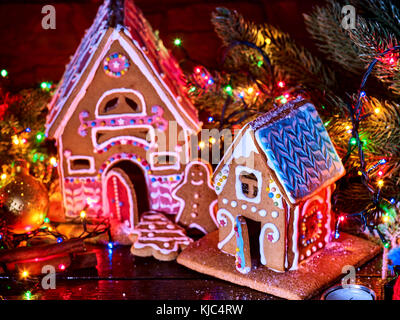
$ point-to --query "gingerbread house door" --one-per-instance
(121, 203)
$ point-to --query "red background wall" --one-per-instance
(31, 54)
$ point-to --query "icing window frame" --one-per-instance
(242, 171)
(129, 95)
(164, 166)
(89, 159)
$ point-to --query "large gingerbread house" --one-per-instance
(122, 120)
(274, 187)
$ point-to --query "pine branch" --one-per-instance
(324, 25)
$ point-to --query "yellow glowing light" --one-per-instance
(3, 176)
(347, 127)
(268, 41)
(25, 274)
(212, 140)
(385, 219)
(202, 144)
(380, 183)
(83, 214)
(15, 140)
(53, 161)
(377, 110)
(359, 173)
(250, 90)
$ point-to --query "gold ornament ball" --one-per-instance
(24, 201)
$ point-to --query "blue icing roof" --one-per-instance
(299, 150)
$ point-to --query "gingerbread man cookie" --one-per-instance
(157, 236)
(198, 198)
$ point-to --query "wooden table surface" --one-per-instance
(119, 276)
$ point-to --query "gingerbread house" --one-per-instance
(274, 187)
(122, 120)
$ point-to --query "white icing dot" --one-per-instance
(224, 201)
(301, 257)
(166, 245)
(244, 206)
(308, 253)
(262, 213)
(274, 214)
(150, 234)
(253, 209)
(196, 195)
(320, 244)
(170, 226)
(152, 226)
(233, 204)
(314, 248)
(193, 214)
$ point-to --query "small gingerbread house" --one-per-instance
(274, 187)
(122, 120)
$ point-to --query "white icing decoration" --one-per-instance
(295, 249)
(328, 213)
(244, 206)
(220, 214)
(234, 204)
(90, 170)
(262, 213)
(175, 166)
(274, 214)
(308, 253)
(238, 184)
(224, 201)
(275, 235)
(245, 146)
(253, 209)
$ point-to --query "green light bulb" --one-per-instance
(178, 42)
(4, 73)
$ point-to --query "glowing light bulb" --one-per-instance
(3, 176)
(83, 214)
(25, 274)
(281, 84)
(362, 94)
(110, 245)
(40, 137)
(380, 183)
(202, 144)
(62, 267)
(250, 90)
(341, 218)
(212, 140)
(228, 89)
(210, 119)
(178, 42)
(380, 173)
(4, 73)
(28, 295)
(385, 219)
(53, 161)
(283, 100)
(353, 141)
(268, 41)
(393, 201)
(15, 140)
(377, 110)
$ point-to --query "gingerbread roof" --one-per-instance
(126, 17)
(297, 148)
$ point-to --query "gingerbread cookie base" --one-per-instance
(315, 274)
